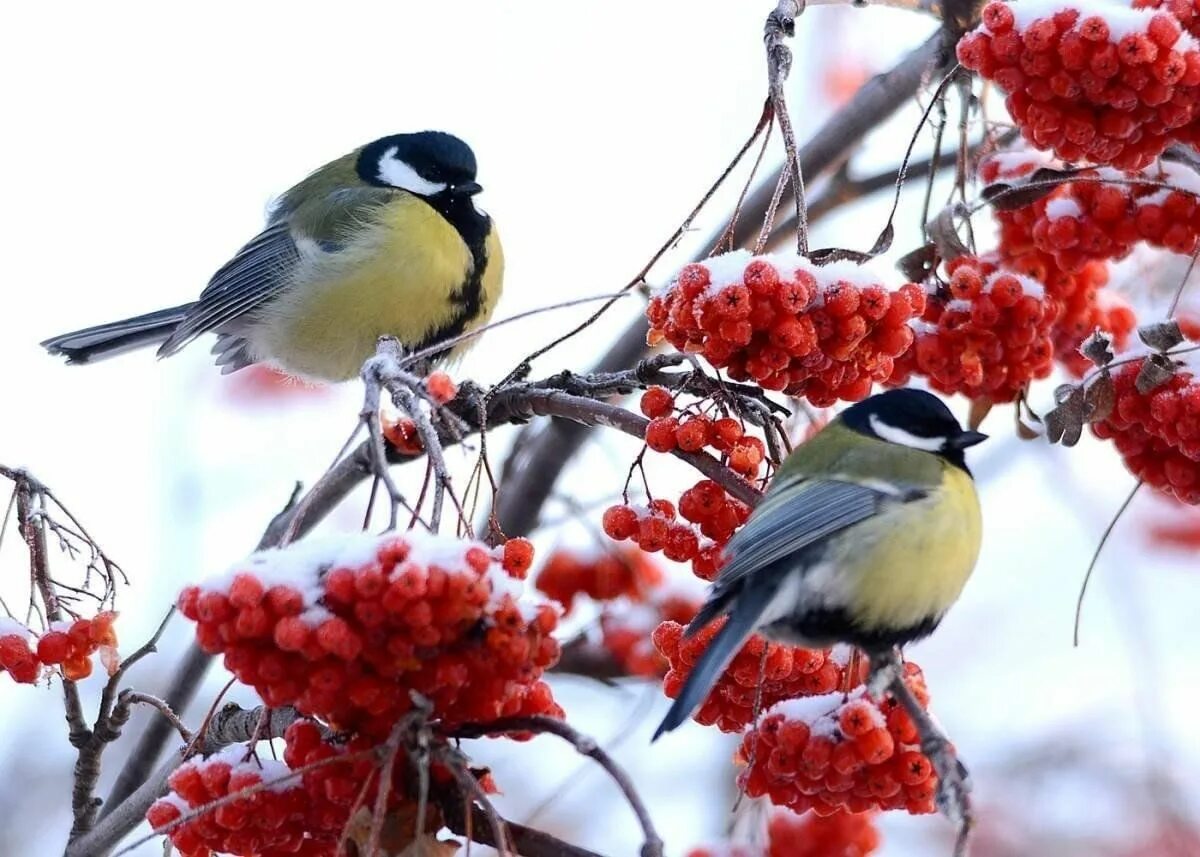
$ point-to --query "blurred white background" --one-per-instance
(145, 141)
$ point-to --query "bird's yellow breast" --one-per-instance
(394, 275)
(912, 562)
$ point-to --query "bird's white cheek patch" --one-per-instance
(397, 173)
(904, 438)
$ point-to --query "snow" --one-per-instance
(816, 711)
(1012, 165)
(273, 773)
(728, 269)
(12, 626)
(1060, 207)
(300, 565)
(1121, 19)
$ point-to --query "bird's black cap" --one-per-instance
(435, 156)
(912, 418)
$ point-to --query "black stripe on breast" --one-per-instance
(474, 227)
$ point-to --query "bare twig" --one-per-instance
(1087, 576)
(781, 25)
(652, 846)
(128, 698)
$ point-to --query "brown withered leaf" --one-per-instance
(884, 242)
(1098, 349)
(1099, 398)
(1157, 369)
(1007, 196)
(829, 255)
(1026, 431)
(980, 408)
(917, 264)
(1161, 336)
(1064, 422)
(944, 235)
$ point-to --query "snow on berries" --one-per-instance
(1157, 432)
(345, 628)
(789, 672)
(825, 333)
(840, 751)
(1095, 81)
(990, 339)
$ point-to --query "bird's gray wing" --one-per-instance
(794, 516)
(253, 276)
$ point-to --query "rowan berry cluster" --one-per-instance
(600, 575)
(840, 752)
(843, 834)
(275, 817)
(989, 339)
(237, 803)
(1098, 82)
(1157, 433)
(787, 673)
(692, 432)
(67, 645)
(1102, 215)
(825, 333)
(346, 629)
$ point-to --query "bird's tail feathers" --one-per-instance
(742, 619)
(117, 337)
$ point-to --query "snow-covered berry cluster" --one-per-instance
(787, 673)
(842, 834)
(601, 575)
(1095, 81)
(344, 629)
(1157, 433)
(990, 339)
(825, 333)
(840, 752)
(67, 645)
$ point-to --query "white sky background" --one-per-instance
(143, 143)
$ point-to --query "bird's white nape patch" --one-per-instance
(398, 173)
(892, 434)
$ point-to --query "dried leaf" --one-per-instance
(1064, 423)
(1157, 369)
(829, 255)
(1162, 336)
(1008, 196)
(884, 242)
(980, 408)
(1098, 348)
(918, 264)
(1099, 398)
(944, 235)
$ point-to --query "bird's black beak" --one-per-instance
(967, 438)
(467, 189)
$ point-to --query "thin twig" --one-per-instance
(1087, 577)
(781, 25)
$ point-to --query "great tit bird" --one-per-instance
(383, 241)
(866, 535)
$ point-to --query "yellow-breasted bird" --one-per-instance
(866, 535)
(383, 241)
